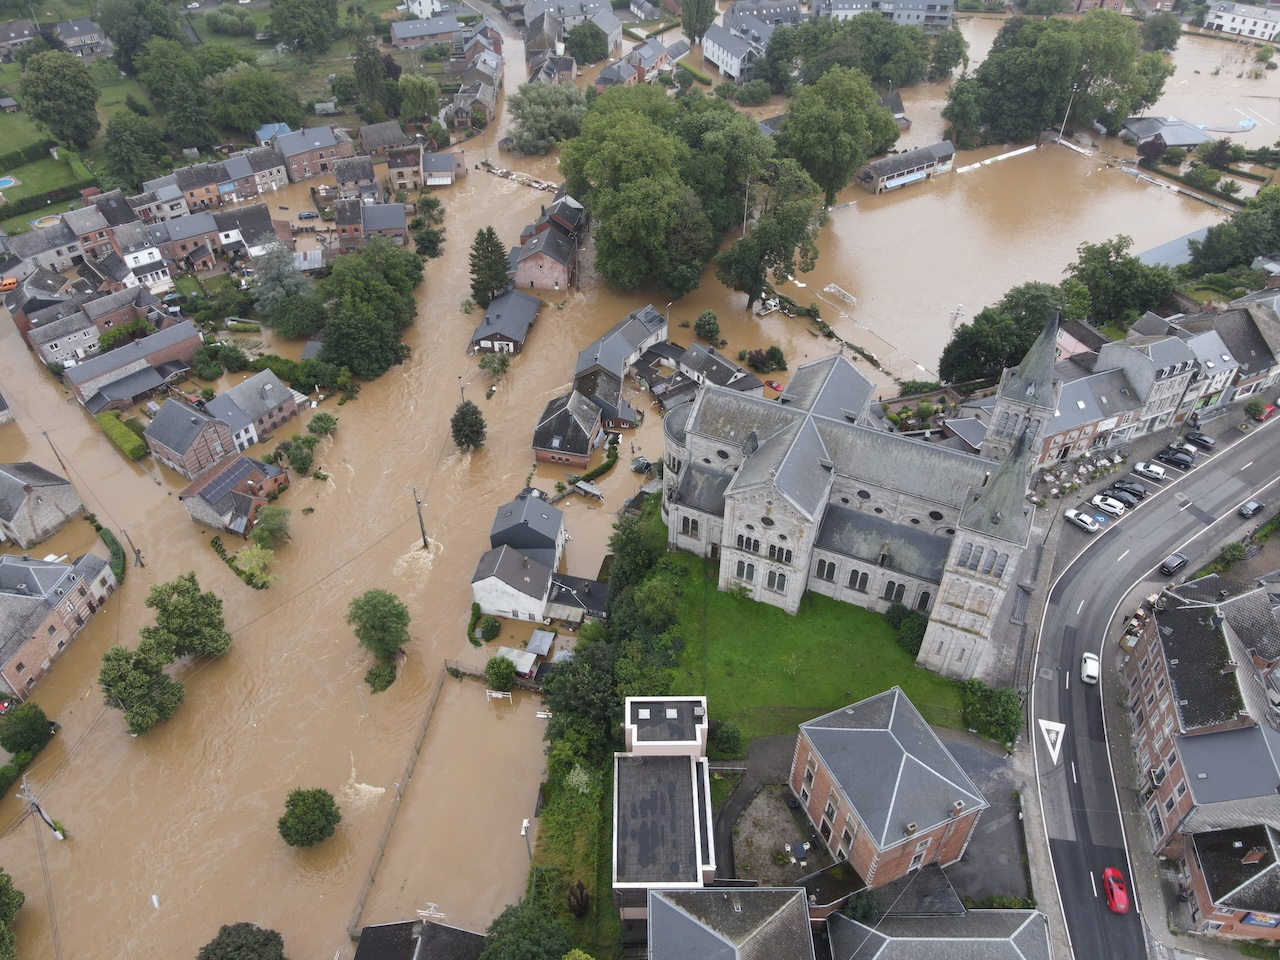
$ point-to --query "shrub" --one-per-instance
(754, 93)
(910, 632)
(490, 627)
(895, 615)
(381, 675)
(706, 326)
(924, 410)
(729, 738)
(1255, 407)
(500, 673)
(471, 624)
(996, 714)
(8, 774)
(117, 553)
(309, 817)
(24, 730)
(130, 444)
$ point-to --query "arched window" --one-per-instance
(965, 552)
(1003, 562)
(922, 601)
(889, 587)
(990, 562)
(777, 581)
(857, 581)
(746, 571)
(976, 558)
(684, 526)
(899, 592)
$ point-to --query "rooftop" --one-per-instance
(669, 720)
(1202, 677)
(760, 923)
(656, 821)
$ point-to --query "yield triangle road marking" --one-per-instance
(1053, 731)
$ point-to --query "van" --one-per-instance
(9, 284)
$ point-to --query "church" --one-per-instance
(810, 492)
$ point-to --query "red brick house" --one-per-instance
(882, 791)
(188, 440)
(312, 152)
(229, 496)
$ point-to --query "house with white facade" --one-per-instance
(1246, 21)
(930, 15)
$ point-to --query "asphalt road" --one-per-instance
(1195, 509)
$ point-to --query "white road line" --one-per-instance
(1079, 608)
(1260, 116)
(1118, 559)
(1074, 779)
(1094, 882)
(1247, 465)
(1068, 680)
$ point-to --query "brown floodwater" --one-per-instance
(187, 812)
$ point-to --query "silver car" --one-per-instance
(1108, 505)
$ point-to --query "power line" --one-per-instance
(48, 892)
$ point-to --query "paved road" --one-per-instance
(1081, 806)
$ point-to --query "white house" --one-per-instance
(509, 584)
(423, 9)
(1243, 20)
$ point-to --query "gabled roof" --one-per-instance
(618, 73)
(418, 940)
(232, 487)
(353, 169)
(409, 29)
(177, 425)
(527, 513)
(300, 141)
(761, 923)
(1196, 650)
(515, 570)
(910, 159)
(621, 340)
(567, 425)
(386, 134)
(510, 315)
(142, 349)
(257, 395)
(264, 158)
(28, 591)
(383, 216)
(85, 220)
(978, 935)
(399, 158)
(1240, 867)
(253, 222)
(892, 766)
(42, 240)
(16, 477)
(862, 535)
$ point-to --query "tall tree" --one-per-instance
(948, 50)
(188, 122)
(188, 620)
(295, 317)
(964, 113)
(420, 97)
(271, 526)
(695, 17)
(134, 681)
(24, 728)
(278, 278)
(586, 43)
(369, 71)
(999, 336)
(163, 65)
(1121, 287)
(488, 267)
(545, 115)
(245, 97)
(467, 426)
(1161, 31)
(243, 941)
(131, 23)
(60, 93)
(309, 26)
(380, 621)
(131, 151)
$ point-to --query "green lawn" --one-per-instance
(187, 285)
(17, 130)
(38, 177)
(16, 225)
(768, 670)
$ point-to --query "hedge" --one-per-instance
(28, 154)
(117, 552)
(697, 74)
(1179, 178)
(129, 442)
(41, 200)
(611, 457)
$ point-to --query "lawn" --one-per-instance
(20, 224)
(187, 285)
(768, 671)
(38, 177)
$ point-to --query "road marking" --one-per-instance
(1247, 466)
(1094, 882)
(1053, 731)
(1074, 779)
(1118, 559)
(1079, 608)
(1068, 679)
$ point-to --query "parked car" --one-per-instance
(774, 385)
(1175, 458)
(1202, 440)
(1124, 496)
(1266, 413)
(1173, 563)
(308, 215)
(1250, 508)
(1117, 893)
(1188, 449)
(9, 283)
(1089, 668)
(1132, 487)
(1152, 471)
(1083, 520)
(1107, 505)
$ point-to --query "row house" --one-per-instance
(44, 604)
(145, 258)
(930, 15)
(116, 378)
(742, 39)
(473, 106)
(250, 229)
(228, 495)
(84, 38)
(92, 231)
(254, 408)
(67, 336)
(377, 138)
(436, 32)
(355, 178)
(186, 439)
(159, 200)
(356, 220)
(55, 247)
(1261, 23)
(313, 152)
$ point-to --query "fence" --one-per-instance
(353, 925)
(456, 668)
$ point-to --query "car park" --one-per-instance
(1132, 487)
(1202, 440)
(1251, 508)
(1175, 458)
(1084, 521)
(1124, 496)
(1107, 505)
(1173, 563)
(1117, 893)
(1152, 471)
(1089, 668)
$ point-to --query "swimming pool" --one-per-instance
(7, 182)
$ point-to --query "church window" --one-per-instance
(857, 581)
(965, 552)
(777, 581)
(1003, 562)
(826, 571)
(990, 562)
(746, 571)
(922, 602)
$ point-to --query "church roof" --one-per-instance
(1032, 381)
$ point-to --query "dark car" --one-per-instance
(1175, 458)
(1202, 440)
(1114, 888)
(1173, 564)
(1124, 496)
(1132, 487)
(308, 215)
(1251, 507)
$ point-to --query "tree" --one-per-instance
(381, 622)
(706, 326)
(369, 297)
(131, 23)
(24, 728)
(419, 96)
(278, 278)
(1121, 287)
(495, 364)
(369, 71)
(11, 899)
(543, 115)
(428, 242)
(467, 426)
(586, 43)
(522, 932)
(188, 621)
(999, 336)
(255, 561)
(271, 526)
(59, 92)
(163, 65)
(1255, 408)
(500, 674)
(245, 97)
(134, 681)
(488, 267)
(131, 151)
(1161, 31)
(696, 16)
(309, 817)
(188, 122)
(948, 51)
(323, 424)
(964, 113)
(583, 700)
(1215, 153)
(295, 317)
(309, 26)
(243, 941)
(346, 90)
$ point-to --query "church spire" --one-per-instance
(999, 507)
(1032, 382)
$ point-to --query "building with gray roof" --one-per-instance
(738, 924)
(530, 525)
(506, 324)
(99, 382)
(377, 138)
(49, 247)
(1241, 874)
(34, 503)
(568, 431)
(187, 439)
(984, 934)
(508, 583)
(421, 939)
(932, 17)
(229, 495)
(254, 408)
(910, 166)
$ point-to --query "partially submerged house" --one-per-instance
(254, 407)
(34, 503)
(186, 439)
(506, 324)
(228, 496)
(568, 431)
(910, 166)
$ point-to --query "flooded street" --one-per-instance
(188, 812)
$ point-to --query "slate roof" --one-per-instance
(1227, 765)
(383, 216)
(14, 477)
(264, 158)
(510, 315)
(35, 242)
(97, 366)
(722, 37)
(531, 513)
(1089, 397)
(177, 425)
(715, 367)
(1175, 132)
(257, 395)
(399, 158)
(891, 766)
(861, 535)
(139, 297)
(1000, 509)
(620, 72)
(760, 923)
(1246, 606)
(418, 940)
(590, 596)
(567, 425)
(552, 243)
(1250, 331)
(656, 820)
(409, 29)
(49, 332)
(85, 220)
(604, 389)
(200, 175)
(346, 211)
(1032, 381)
(23, 610)
(978, 935)
(515, 570)
(703, 489)
(1240, 867)
(897, 163)
(621, 340)
(437, 162)
(353, 169)
(126, 388)
(830, 387)
(253, 222)
(1196, 650)
(969, 429)
(300, 141)
(386, 134)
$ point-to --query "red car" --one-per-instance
(773, 385)
(1117, 894)
(1267, 411)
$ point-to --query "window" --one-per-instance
(976, 558)
(1182, 788)
(748, 544)
(1003, 562)
(20, 667)
(1168, 805)
(991, 562)
(804, 795)
(922, 601)
(857, 581)
(1157, 827)
(781, 554)
(746, 571)
(894, 592)
(777, 581)
(689, 527)
(965, 552)
(830, 812)
(808, 775)
(846, 838)
(826, 571)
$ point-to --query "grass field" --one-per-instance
(768, 671)
(38, 177)
(21, 224)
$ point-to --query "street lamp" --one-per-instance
(1075, 87)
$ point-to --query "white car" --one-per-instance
(1107, 505)
(193, 5)
(1089, 668)
(1083, 520)
(1152, 471)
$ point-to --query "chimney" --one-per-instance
(910, 829)
(526, 562)
(957, 807)
(1254, 856)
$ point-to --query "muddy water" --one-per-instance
(187, 812)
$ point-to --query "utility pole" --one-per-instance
(421, 526)
(137, 554)
(35, 805)
(55, 451)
